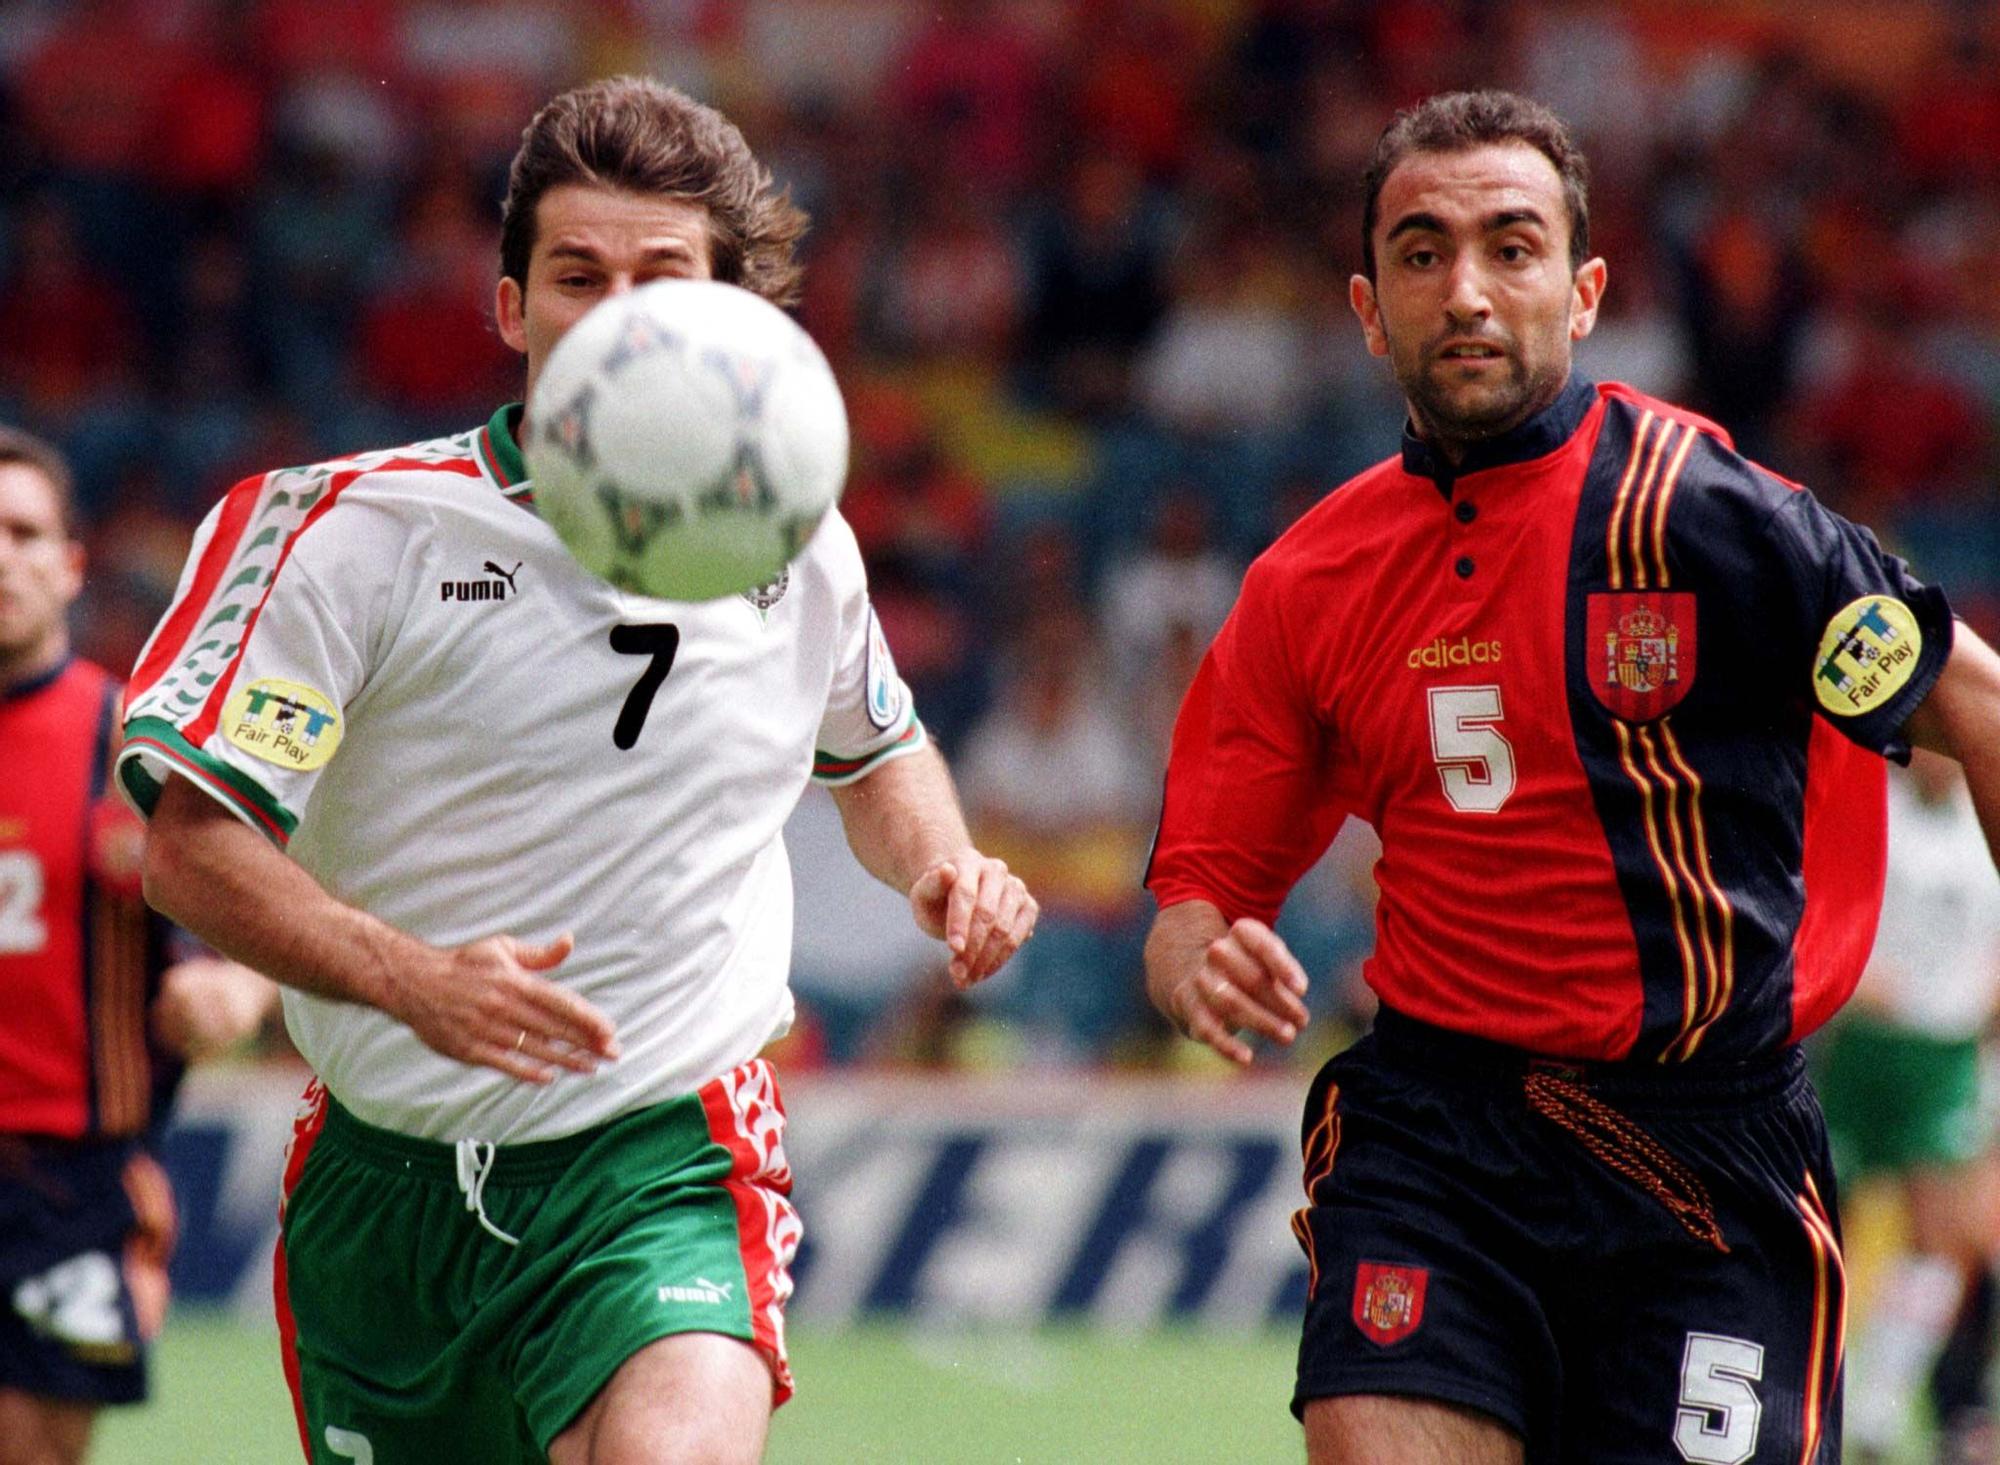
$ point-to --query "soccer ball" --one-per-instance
(685, 439)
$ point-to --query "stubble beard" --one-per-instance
(1454, 419)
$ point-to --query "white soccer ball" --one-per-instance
(685, 439)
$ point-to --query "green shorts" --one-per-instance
(413, 1331)
(1897, 1099)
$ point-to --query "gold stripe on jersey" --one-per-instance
(1680, 836)
(1665, 497)
(1615, 569)
(1725, 986)
(1635, 526)
(1642, 502)
(1690, 967)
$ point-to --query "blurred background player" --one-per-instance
(366, 787)
(98, 1023)
(1899, 1074)
(1519, 650)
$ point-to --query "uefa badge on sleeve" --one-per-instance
(1640, 652)
(1389, 1300)
(1868, 651)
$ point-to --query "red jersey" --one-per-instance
(1610, 694)
(80, 954)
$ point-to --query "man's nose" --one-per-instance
(1466, 297)
(620, 284)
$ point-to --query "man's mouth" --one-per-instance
(1471, 351)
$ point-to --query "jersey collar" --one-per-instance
(1539, 436)
(500, 454)
(28, 686)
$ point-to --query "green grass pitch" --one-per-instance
(875, 1393)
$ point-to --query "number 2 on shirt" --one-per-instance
(21, 885)
(1474, 761)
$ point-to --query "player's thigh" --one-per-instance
(1422, 1264)
(38, 1431)
(1674, 1349)
(672, 1224)
(690, 1397)
(1378, 1429)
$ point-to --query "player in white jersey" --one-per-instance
(1899, 1076)
(536, 914)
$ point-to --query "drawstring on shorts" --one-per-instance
(1622, 1146)
(473, 1170)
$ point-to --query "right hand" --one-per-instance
(1248, 980)
(485, 1003)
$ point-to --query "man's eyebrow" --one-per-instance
(1417, 223)
(1424, 223)
(572, 249)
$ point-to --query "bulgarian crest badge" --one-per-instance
(1389, 1300)
(1641, 651)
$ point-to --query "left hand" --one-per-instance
(207, 1005)
(976, 908)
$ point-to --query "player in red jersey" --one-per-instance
(97, 1024)
(1613, 698)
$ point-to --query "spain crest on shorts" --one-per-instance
(1389, 1300)
(1640, 651)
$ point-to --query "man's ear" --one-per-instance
(1361, 295)
(508, 306)
(1586, 294)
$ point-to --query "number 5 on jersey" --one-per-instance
(1475, 763)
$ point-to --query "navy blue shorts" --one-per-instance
(1619, 1262)
(84, 1234)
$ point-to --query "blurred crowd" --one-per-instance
(1081, 266)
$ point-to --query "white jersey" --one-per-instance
(1936, 963)
(393, 668)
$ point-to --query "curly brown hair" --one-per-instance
(1454, 121)
(634, 133)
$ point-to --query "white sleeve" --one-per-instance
(870, 715)
(244, 687)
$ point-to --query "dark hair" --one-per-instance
(634, 133)
(1452, 122)
(30, 451)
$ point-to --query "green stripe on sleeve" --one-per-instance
(832, 768)
(158, 738)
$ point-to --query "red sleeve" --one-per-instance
(1250, 803)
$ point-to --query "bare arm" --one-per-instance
(1961, 719)
(231, 887)
(904, 825)
(1212, 978)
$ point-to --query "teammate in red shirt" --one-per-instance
(1613, 698)
(97, 1024)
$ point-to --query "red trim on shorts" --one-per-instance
(306, 1127)
(1322, 1146)
(746, 1117)
(1829, 1340)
